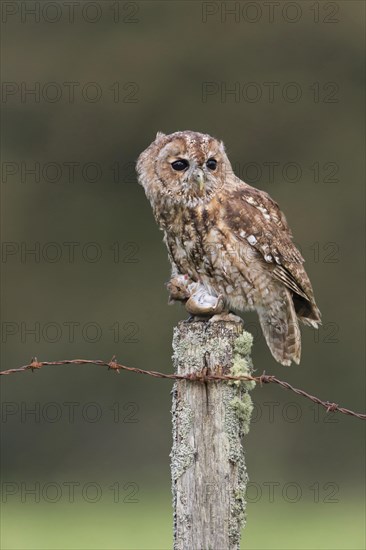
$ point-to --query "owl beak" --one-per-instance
(199, 178)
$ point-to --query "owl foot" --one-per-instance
(195, 318)
(202, 304)
(225, 316)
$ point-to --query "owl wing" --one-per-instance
(257, 219)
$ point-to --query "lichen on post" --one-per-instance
(210, 418)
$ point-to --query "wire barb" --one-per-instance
(113, 364)
(203, 376)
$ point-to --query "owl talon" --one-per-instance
(195, 318)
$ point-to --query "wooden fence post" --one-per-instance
(209, 476)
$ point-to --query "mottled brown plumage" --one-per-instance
(228, 242)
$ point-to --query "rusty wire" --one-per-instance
(203, 376)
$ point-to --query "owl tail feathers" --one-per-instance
(281, 331)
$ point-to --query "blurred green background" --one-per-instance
(135, 68)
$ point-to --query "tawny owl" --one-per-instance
(229, 244)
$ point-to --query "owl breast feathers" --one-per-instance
(227, 237)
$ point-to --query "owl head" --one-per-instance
(185, 167)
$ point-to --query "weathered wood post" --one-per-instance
(209, 476)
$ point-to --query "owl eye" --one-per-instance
(211, 164)
(180, 165)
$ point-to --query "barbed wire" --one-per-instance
(203, 376)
